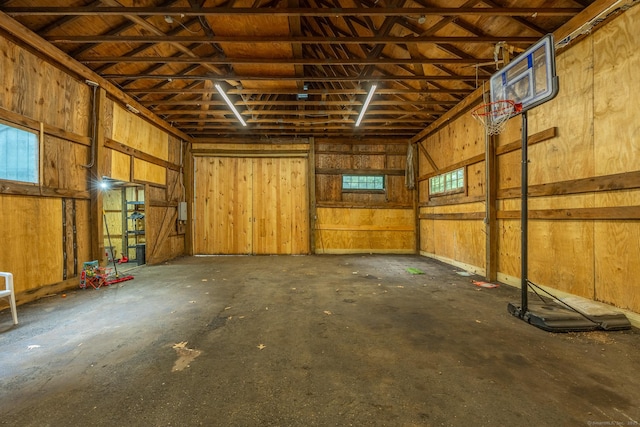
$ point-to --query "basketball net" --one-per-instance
(494, 115)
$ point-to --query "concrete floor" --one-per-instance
(306, 341)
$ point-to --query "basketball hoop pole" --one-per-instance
(524, 217)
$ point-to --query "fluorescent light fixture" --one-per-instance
(366, 104)
(133, 109)
(230, 104)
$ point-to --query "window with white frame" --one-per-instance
(363, 183)
(450, 182)
(18, 154)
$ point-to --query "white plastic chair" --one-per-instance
(9, 293)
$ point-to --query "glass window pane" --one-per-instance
(18, 154)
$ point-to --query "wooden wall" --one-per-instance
(251, 198)
(37, 222)
(584, 179)
(350, 222)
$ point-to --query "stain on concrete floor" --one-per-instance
(306, 341)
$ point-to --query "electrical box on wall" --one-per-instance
(182, 211)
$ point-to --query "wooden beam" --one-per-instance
(328, 171)
(125, 149)
(315, 40)
(311, 79)
(604, 213)
(621, 181)
(595, 10)
(428, 157)
(459, 216)
(98, 170)
(286, 12)
(284, 61)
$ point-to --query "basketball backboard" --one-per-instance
(530, 78)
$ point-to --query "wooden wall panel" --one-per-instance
(617, 253)
(139, 134)
(364, 230)
(30, 83)
(223, 205)
(617, 87)
(120, 166)
(570, 155)
(63, 163)
(148, 172)
(32, 240)
(83, 231)
(280, 206)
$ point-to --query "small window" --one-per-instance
(450, 182)
(362, 182)
(18, 154)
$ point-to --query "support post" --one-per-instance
(96, 174)
(524, 217)
(491, 220)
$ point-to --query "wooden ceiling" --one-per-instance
(294, 68)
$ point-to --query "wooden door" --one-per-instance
(223, 205)
(251, 206)
(280, 206)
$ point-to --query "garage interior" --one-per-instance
(269, 174)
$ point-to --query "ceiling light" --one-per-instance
(366, 104)
(422, 19)
(133, 109)
(168, 19)
(230, 104)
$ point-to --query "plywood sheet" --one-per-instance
(616, 88)
(32, 236)
(133, 131)
(616, 254)
(149, 172)
(344, 230)
(120, 166)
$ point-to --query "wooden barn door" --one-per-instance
(251, 206)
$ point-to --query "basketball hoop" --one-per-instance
(494, 115)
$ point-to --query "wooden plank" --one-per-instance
(368, 171)
(621, 181)
(311, 185)
(531, 140)
(452, 200)
(98, 170)
(248, 153)
(599, 213)
(428, 157)
(461, 216)
(125, 149)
